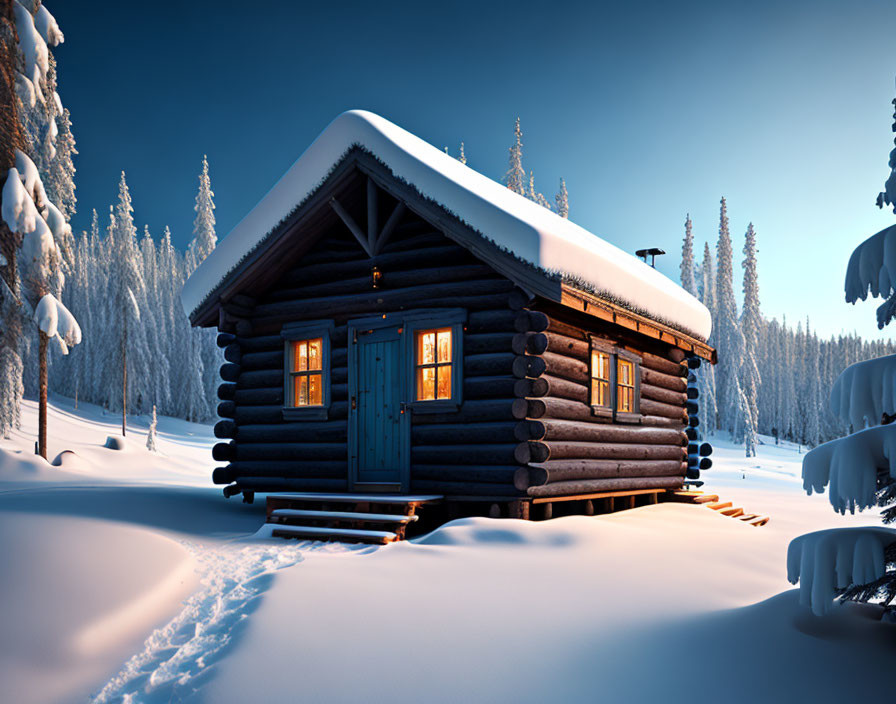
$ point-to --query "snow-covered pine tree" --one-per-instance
(706, 378)
(151, 432)
(562, 200)
(726, 335)
(462, 157)
(688, 282)
(156, 386)
(515, 178)
(751, 325)
(126, 289)
(533, 195)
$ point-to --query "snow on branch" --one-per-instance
(864, 392)
(33, 47)
(56, 321)
(851, 466)
(19, 212)
(828, 561)
(872, 267)
(46, 24)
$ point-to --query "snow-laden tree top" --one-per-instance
(865, 391)
(516, 224)
(872, 267)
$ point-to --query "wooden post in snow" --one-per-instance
(42, 396)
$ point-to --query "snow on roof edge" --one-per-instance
(515, 224)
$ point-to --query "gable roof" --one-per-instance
(515, 224)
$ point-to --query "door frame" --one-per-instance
(404, 426)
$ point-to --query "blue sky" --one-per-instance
(648, 110)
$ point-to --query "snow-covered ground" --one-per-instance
(127, 577)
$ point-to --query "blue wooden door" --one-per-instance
(381, 452)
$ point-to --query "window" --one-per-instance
(615, 382)
(306, 373)
(600, 380)
(306, 385)
(433, 364)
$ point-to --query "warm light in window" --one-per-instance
(306, 372)
(625, 386)
(600, 379)
(433, 364)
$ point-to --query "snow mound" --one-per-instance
(872, 267)
(115, 442)
(828, 560)
(865, 391)
(851, 466)
(498, 533)
(69, 459)
(513, 222)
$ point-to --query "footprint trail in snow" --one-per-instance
(178, 658)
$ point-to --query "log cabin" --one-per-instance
(394, 322)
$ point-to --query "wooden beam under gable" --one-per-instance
(351, 225)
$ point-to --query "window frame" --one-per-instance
(615, 353)
(414, 323)
(295, 332)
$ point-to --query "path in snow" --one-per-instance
(179, 657)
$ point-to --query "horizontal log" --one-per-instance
(260, 378)
(694, 362)
(693, 393)
(657, 393)
(227, 391)
(226, 409)
(272, 396)
(317, 469)
(661, 364)
(224, 452)
(328, 306)
(304, 448)
(461, 433)
(491, 364)
(691, 434)
(477, 343)
(500, 320)
(693, 473)
(230, 372)
(551, 386)
(271, 484)
(232, 353)
(692, 407)
(526, 366)
(460, 488)
(221, 475)
(472, 411)
(666, 381)
(576, 470)
(699, 462)
(566, 367)
(531, 321)
(702, 449)
(542, 451)
(529, 343)
(272, 359)
(666, 410)
(249, 415)
(500, 454)
(320, 431)
(463, 473)
(225, 429)
(261, 343)
(519, 299)
(489, 386)
(558, 343)
(552, 408)
(597, 486)
(224, 339)
(662, 422)
(549, 429)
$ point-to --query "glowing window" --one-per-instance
(306, 373)
(625, 386)
(600, 379)
(433, 364)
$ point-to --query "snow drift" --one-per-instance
(531, 232)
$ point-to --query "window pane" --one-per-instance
(444, 345)
(600, 393)
(444, 381)
(426, 347)
(300, 391)
(625, 372)
(300, 356)
(315, 390)
(626, 399)
(315, 354)
(426, 384)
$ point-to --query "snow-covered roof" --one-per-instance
(527, 230)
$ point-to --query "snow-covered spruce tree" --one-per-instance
(562, 200)
(515, 178)
(151, 433)
(533, 195)
(751, 325)
(156, 386)
(126, 289)
(706, 376)
(688, 281)
(859, 470)
(462, 157)
(727, 331)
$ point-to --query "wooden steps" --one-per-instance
(711, 501)
(354, 518)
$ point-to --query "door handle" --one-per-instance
(402, 407)
(354, 403)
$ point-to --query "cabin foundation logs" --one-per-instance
(698, 453)
(564, 448)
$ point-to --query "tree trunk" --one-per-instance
(124, 381)
(42, 397)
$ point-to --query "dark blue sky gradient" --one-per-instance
(648, 110)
